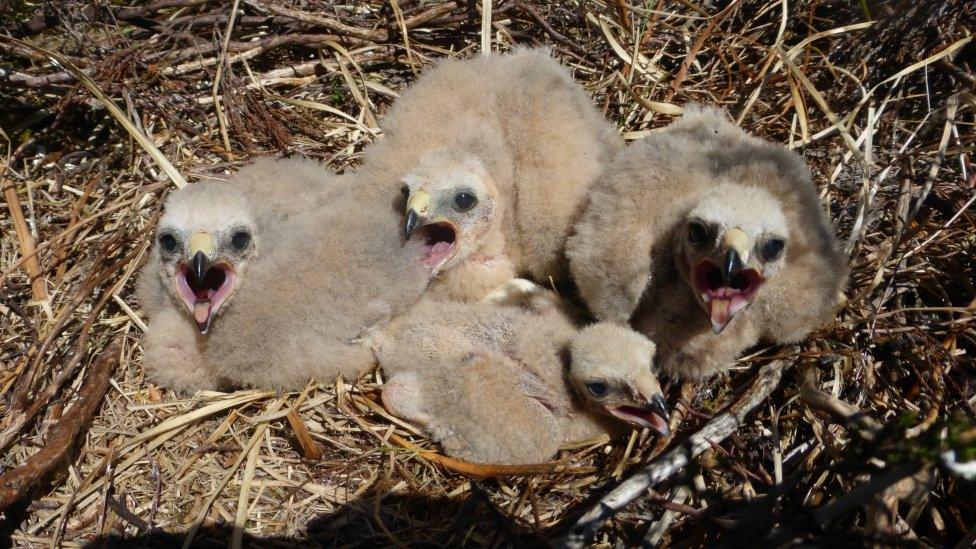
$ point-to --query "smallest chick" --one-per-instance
(609, 368)
(508, 384)
(453, 208)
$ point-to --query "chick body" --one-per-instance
(648, 248)
(319, 270)
(491, 383)
(534, 132)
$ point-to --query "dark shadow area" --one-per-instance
(374, 521)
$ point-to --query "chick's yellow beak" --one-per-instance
(201, 251)
(735, 249)
(417, 208)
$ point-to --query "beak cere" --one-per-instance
(729, 288)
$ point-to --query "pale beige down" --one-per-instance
(490, 382)
(516, 126)
(246, 288)
(707, 240)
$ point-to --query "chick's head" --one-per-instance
(451, 204)
(204, 244)
(731, 243)
(611, 370)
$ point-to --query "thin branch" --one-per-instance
(16, 484)
(659, 470)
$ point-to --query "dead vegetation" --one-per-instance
(856, 445)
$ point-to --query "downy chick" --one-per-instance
(243, 289)
(707, 240)
(491, 382)
(523, 124)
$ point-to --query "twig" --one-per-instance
(548, 28)
(486, 27)
(127, 14)
(782, 536)
(15, 484)
(715, 431)
(222, 483)
(657, 530)
(695, 48)
(623, 14)
(482, 471)
(825, 402)
(24, 236)
(140, 138)
(376, 35)
(310, 450)
(221, 61)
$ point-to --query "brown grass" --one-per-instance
(889, 137)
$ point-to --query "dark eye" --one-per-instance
(168, 242)
(240, 240)
(697, 233)
(405, 190)
(772, 249)
(465, 200)
(597, 388)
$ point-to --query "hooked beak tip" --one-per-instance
(731, 265)
(413, 219)
(199, 265)
(660, 406)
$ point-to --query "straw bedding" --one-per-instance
(877, 97)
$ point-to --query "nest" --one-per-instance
(855, 444)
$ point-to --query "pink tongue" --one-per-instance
(720, 311)
(440, 248)
(201, 310)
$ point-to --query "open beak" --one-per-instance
(651, 411)
(438, 237)
(417, 206)
(730, 286)
(203, 284)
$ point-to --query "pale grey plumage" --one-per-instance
(654, 244)
(533, 130)
(489, 382)
(319, 270)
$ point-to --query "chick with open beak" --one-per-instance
(610, 367)
(451, 210)
(201, 251)
(732, 242)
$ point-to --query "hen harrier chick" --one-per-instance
(244, 288)
(707, 240)
(507, 384)
(516, 124)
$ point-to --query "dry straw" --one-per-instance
(106, 107)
